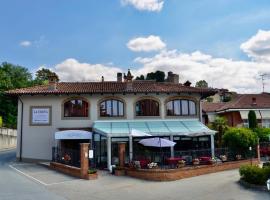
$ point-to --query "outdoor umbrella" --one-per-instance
(157, 142)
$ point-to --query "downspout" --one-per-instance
(21, 134)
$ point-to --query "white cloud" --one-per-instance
(239, 76)
(236, 75)
(25, 43)
(149, 5)
(150, 43)
(72, 70)
(258, 46)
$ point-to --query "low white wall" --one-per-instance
(8, 138)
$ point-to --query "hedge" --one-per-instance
(254, 174)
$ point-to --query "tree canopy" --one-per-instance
(42, 75)
(13, 77)
(202, 84)
(159, 76)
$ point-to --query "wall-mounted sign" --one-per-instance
(91, 154)
(40, 115)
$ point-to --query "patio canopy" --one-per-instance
(73, 135)
(123, 128)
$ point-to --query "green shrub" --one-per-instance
(254, 174)
(263, 134)
(92, 171)
(238, 140)
(1, 121)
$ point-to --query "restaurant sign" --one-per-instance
(40, 115)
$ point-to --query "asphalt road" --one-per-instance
(15, 186)
(39, 183)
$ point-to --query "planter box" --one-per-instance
(185, 172)
(119, 172)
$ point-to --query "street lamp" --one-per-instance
(250, 150)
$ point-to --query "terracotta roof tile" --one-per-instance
(110, 87)
(211, 107)
(241, 101)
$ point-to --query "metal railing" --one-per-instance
(66, 156)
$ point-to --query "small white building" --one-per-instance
(110, 110)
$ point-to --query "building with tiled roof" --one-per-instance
(110, 110)
(236, 110)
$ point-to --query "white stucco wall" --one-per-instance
(37, 141)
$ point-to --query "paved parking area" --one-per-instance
(41, 174)
(221, 186)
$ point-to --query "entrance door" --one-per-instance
(100, 151)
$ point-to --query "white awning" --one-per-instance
(244, 114)
(265, 114)
(73, 135)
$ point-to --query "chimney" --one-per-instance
(187, 83)
(128, 77)
(119, 77)
(102, 78)
(173, 78)
(53, 80)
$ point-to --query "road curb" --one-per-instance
(252, 186)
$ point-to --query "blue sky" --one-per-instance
(97, 31)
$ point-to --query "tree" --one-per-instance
(42, 76)
(220, 125)
(263, 134)
(140, 77)
(238, 140)
(11, 77)
(252, 119)
(202, 84)
(159, 76)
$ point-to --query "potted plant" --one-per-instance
(223, 158)
(119, 171)
(212, 161)
(238, 157)
(152, 165)
(92, 174)
(195, 161)
(181, 163)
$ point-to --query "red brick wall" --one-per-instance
(176, 174)
(70, 170)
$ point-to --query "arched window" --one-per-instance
(76, 108)
(111, 108)
(147, 107)
(180, 107)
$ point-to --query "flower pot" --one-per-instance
(92, 176)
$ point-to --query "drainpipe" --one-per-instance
(21, 134)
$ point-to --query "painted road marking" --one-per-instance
(37, 180)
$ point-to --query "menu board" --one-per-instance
(40, 116)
